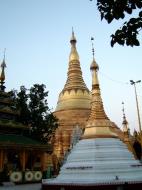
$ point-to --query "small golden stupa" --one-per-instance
(98, 124)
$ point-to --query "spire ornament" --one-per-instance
(74, 79)
(73, 38)
(94, 67)
(126, 129)
(74, 57)
(125, 122)
(92, 39)
(75, 93)
(2, 76)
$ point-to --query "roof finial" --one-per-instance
(94, 65)
(3, 65)
(124, 117)
(125, 123)
(2, 76)
(73, 39)
(4, 54)
(93, 51)
(123, 110)
(126, 129)
(72, 30)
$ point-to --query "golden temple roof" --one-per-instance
(75, 93)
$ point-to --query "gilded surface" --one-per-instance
(77, 106)
(75, 94)
(73, 106)
(98, 124)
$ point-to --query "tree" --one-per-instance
(35, 113)
(22, 106)
(118, 9)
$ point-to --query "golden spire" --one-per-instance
(75, 94)
(125, 122)
(2, 76)
(126, 129)
(74, 79)
(98, 124)
(3, 65)
(97, 109)
(73, 54)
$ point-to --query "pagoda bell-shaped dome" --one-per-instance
(75, 94)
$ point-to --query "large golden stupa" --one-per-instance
(73, 106)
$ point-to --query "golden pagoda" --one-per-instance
(73, 106)
(98, 124)
(99, 159)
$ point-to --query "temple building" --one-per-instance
(100, 159)
(22, 159)
(73, 106)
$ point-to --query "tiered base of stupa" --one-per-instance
(101, 163)
(68, 121)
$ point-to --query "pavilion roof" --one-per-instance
(20, 141)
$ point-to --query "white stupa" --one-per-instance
(99, 158)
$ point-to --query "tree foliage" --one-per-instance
(35, 113)
(118, 9)
(22, 105)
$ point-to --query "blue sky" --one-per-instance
(36, 36)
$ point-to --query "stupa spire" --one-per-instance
(75, 87)
(97, 109)
(125, 122)
(126, 130)
(73, 54)
(98, 124)
(2, 76)
(74, 78)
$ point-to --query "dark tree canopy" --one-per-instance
(22, 106)
(35, 113)
(117, 9)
